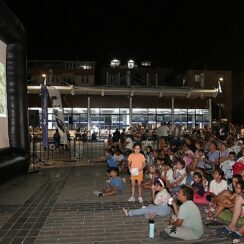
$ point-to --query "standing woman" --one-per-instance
(136, 163)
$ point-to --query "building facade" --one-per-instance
(121, 101)
(77, 73)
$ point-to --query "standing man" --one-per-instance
(163, 132)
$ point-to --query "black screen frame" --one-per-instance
(15, 158)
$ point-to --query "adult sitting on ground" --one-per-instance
(186, 224)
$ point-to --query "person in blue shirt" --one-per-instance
(116, 185)
(213, 154)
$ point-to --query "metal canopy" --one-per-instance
(133, 91)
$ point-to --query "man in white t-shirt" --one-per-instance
(163, 131)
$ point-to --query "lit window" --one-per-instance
(85, 67)
(115, 63)
(197, 77)
(145, 63)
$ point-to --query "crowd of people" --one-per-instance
(182, 168)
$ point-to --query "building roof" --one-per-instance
(185, 92)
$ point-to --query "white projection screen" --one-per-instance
(4, 138)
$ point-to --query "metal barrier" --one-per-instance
(76, 149)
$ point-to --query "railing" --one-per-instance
(75, 150)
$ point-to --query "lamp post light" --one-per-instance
(115, 63)
(131, 64)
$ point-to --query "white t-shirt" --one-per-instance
(163, 131)
(162, 198)
(227, 167)
(169, 175)
(130, 144)
(216, 188)
(179, 173)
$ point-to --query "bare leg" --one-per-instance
(218, 210)
(133, 183)
(139, 188)
(236, 213)
(110, 192)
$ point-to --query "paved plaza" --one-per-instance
(57, 206)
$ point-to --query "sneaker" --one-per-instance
(97, 193)
(140, 200)
(131, 199)
(108, 181)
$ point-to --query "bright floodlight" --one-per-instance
(115, 63)
(131, 64)
(221, 78)
(44, 75)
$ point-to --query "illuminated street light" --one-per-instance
(115, 63)
(131, 64)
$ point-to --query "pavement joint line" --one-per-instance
(43, 199)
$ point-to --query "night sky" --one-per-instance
(182, 34)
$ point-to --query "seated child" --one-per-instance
(198, 188)
(227, 166)
(160, 197)
(116, 185)
(179, 176)
(153, 174)
(228, 201)
(159, 164)
(217, 185)
(168, 174)
(148, 155)
(204, 180)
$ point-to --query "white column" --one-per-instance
(130, 113)
(210, 112)
(119, 78)
(173, 110)
(128, 80)
(89, 113)
(147, 79)
(107, 78)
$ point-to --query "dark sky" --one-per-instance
(181, 33)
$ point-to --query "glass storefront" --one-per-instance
(104, 118)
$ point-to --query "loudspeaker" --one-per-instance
(34, 120)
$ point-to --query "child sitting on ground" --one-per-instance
(198, 188)
(116, 185)
(179, 176)
(153, 174)
(217, 185)
(168, 174)
(228, 201)
(204, 180)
